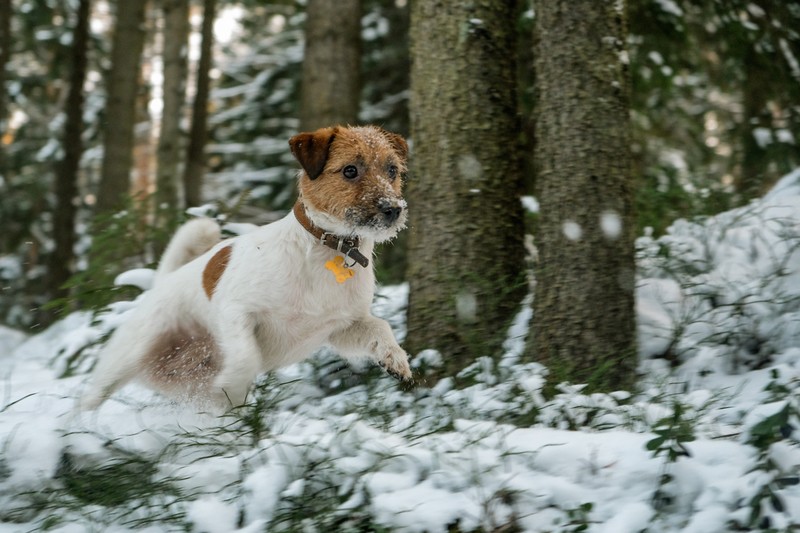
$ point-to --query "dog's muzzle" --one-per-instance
(391, 212)
(380, 219)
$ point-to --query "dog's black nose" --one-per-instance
(390, 212)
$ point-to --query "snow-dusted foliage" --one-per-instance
(709, 443)
(724, 292)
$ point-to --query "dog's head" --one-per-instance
(352, 179)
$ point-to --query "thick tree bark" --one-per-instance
(120, 112)
(466, 271)
(176, 35)
(331, 87)
(583, 321)
(196, 152)
(752, 177)
(66, 176)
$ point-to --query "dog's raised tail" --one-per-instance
(192, 240)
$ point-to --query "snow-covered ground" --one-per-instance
(709, 443)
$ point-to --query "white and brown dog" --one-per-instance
(223, 311)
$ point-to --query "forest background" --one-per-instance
(117, 116)
(566, 156)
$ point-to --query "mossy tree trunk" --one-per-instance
(752, 179)
(120, 111)
(66, 175)
(583, 323)
(331, 88)
(465, 256)
(176, 42)
(195, 169)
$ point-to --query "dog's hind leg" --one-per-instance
(192, 240)
(106, 381)
(102, 388)
(119, 362)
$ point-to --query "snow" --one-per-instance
(469, 168)
(324, 447)
(611, 224)
(670, 7)
(466, 306)
(210, 515)
(530, 204)
(791, 60)
(10, 339)
(763, 137)
(572, 230)
(656, 57)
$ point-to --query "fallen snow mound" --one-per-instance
(709, 444)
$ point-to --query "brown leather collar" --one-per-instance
(346, 245)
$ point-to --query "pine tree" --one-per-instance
(66, 176)
(196, 152)
(465, 273)
(120, 112)
(331, 85)
(583, 322)
(175, 42)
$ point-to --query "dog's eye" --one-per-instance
(350, 172)
(392, 172)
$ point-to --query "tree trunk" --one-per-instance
(583, 322)
(196, 152)
(66, 176)
(331, 87)
(175, 38)
(465, 271)
(752, 177)
(5, 57)
(120, 112)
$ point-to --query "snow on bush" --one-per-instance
(727, 286)
(708, 444)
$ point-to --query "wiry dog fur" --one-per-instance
(223, 311)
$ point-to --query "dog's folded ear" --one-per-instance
(311, 149)
(397, 142)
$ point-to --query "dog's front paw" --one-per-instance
(395, 362)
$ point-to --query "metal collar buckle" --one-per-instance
(347, 256)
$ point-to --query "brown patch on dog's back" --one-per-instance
(214, 269)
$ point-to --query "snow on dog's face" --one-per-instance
(352, 180)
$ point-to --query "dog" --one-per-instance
(221, 312)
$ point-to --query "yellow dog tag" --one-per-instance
(336, 265)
